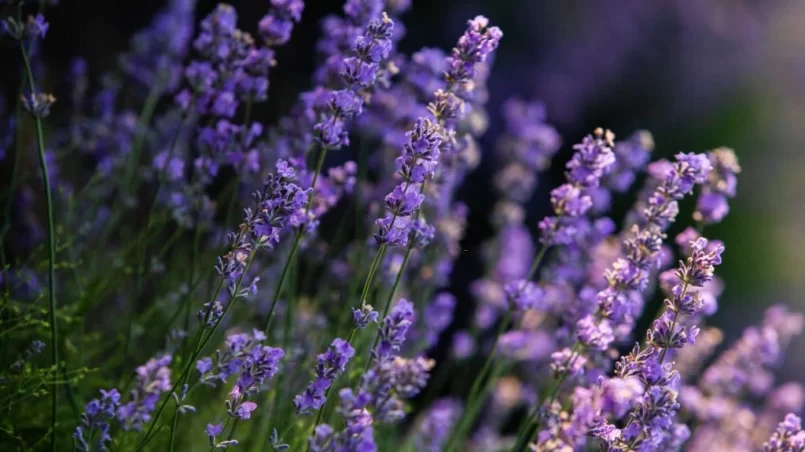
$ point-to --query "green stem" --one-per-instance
(139, 134)
(467, 417)
(296, 242)
(201, 342)
(371, 275)
(390, 297)
(173, 432)
(529, 428)
(54, 331)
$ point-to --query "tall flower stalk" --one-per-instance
(359, 73)
(38, 104)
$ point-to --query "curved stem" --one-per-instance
(201, 342)
(54, 330)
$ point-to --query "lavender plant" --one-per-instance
(364, 341)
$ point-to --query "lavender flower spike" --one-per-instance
(359, 72)
(721, 184)
(628, 276)
(651, 421)
(591, 161)
(153, 378)
(416, 164)
(392, 333)
(329, 366)
(789, 436)
(276, 26)
(95, 422)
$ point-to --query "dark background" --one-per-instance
(696, 73)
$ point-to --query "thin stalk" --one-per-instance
(529, 428)
(54, 331)
(173, 432)
(390, 298)
(226, 424)
(371, 276)
(476, 386)
(232, 432)
(364, 292)
(139, 134)
(296, 242)
(201, 342)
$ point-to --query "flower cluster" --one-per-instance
(621, 300)
(95, 422)
(156, 54)
(651, 421)
(245, 356)
(417, 163)
(276, 26)
(528, 146)
(329, 365)
(592, 159)
(712, 205)
(32, 28)
(280, 203)
(153, 378)
(789, 436)
(393, 331)
(360, 72)
(145, 170)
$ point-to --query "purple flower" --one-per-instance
(214, 430)
(276, 26)
(631, 155)
(329, 366)
(331, 130)
(339, 36)
(700, 265)
(156, 52)
(621, 300)
(34, 27)
(523, 295)
(712, 205)
(437, 316)
(789, 436)
(322, 439)
(364, 316)
(417, 162)
(204, 365)
(404, 200)
(244, 410)
(747, 365)
(279, 203)
(95, 421)
(565, 361)
(594, 334)
(393, 331)
(433, 428)
(474, 47)
(152, 379)
(593, 158)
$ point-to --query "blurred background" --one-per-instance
(697, 73)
